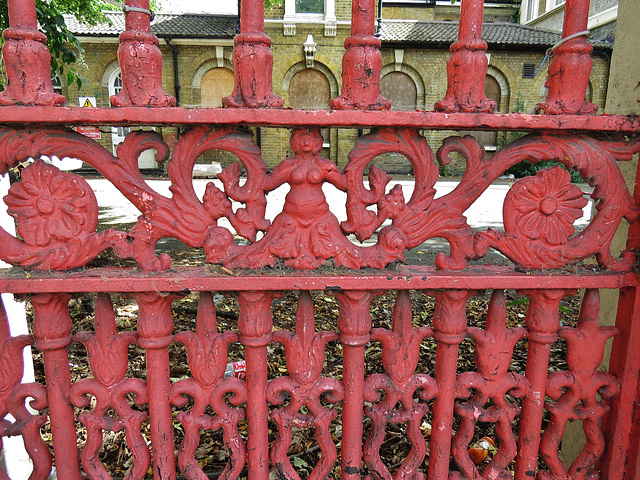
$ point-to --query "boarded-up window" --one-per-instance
(215, 84)
(400, 89)
(310, 90)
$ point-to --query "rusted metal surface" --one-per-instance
(20, 115)
(57, 217)
(361, 63)
(252, 62)
(538, 212)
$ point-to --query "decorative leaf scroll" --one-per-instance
(397, 387)
(305, 388)
(487, 391)
(596, 162)
(57, 213)
(108, 357)
(14, 395)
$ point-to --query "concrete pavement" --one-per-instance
(484, 213)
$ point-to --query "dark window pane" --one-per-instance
(309, 6)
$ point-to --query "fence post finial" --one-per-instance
(27, 59)
(140, 61)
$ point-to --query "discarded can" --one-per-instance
(236, 369)
(480, 450)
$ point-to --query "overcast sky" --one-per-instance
(205, 6)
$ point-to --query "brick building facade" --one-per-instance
(415, 38)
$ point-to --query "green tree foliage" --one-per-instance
(272, 3)
(64, 46)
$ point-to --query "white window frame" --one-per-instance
(530, 10)
(553, 4)
(56, 83)
(291, 17)
(114, 85)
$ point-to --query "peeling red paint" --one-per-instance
(57, 215)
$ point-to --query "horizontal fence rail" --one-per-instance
(20, 115)
(356, 365)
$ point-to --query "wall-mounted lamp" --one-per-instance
(309, 50)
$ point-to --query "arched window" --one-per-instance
(216, 84)
(310, 90)
(115, 83)
(147, 158)
(400, 89)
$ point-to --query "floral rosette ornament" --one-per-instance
(51, 206)
(544, 207)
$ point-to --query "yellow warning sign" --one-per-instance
(87, 101)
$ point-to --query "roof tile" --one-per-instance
(191, 25)
(446, 32)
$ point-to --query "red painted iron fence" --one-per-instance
(306, 249)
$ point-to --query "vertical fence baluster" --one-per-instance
(107, 351)
(140, 61)
(467, 66)
(354, 323)
(361, 62)
(571, 65)
(207, 355)
(52, 330)
(255, 324)
(12, 400)
(155, 324)
(304, 387)
(543, 322)
(449, 325)
(252, 61)
(27, 59)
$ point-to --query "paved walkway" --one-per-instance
(484, 213)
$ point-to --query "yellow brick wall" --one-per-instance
(422, 14)
(428, 67)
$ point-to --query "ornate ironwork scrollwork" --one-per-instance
(57, 212)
